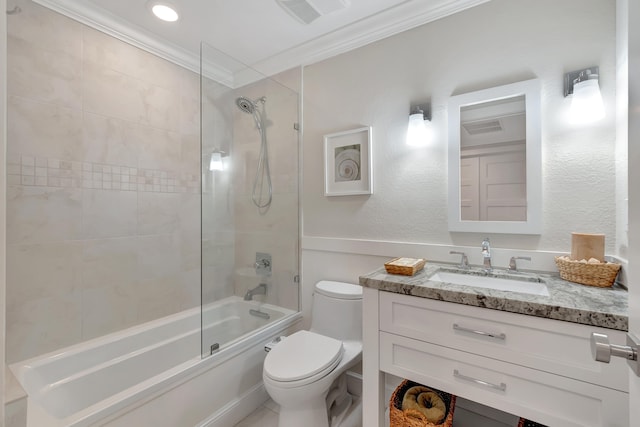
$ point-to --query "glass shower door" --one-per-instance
(250, 208)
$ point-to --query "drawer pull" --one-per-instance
(484, 334)
(501, 387)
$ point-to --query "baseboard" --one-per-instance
(238, 409)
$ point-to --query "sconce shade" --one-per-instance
(216, 161)
(419, 131)
(587, 105)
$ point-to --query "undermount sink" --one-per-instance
(490, 282)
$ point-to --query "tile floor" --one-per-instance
(264, 416)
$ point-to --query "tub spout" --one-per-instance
(261, 289)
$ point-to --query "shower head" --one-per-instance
(247, 105)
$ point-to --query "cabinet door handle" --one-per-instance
(500, 387)
(483, 333)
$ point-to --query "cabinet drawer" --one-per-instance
(554, 346)
(550, 399)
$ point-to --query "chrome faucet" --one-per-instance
(486, 254)
(464, 261)
(512, 262)
(261, 289)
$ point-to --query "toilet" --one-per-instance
(306, 372)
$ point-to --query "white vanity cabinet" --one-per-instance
(533, 367)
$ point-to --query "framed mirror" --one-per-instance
(495, 160)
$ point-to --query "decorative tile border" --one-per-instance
(49, 172)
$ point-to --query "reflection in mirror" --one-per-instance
(495, 178)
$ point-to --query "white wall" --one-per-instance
(496, 43)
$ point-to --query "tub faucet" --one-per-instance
(261, 289)
(486, 254)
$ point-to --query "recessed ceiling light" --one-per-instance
(164, 11)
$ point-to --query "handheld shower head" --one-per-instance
(246, 105)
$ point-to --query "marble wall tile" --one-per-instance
(42, 325)
(109, 263)
(112, 93)
(42, 129)
(43, 270)
(42, 214)
(43, 75)
(158, 297)
(158, 257)
(190, 153)
(189, 288)
(190, 114)
(158, 213)
(158, 149)
(109, 140)
(108, 213)
(41, 27)
(108, 309)
(113, 54)
(161, 107)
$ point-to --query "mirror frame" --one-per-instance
(533, 225)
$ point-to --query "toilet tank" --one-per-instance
(336, 310)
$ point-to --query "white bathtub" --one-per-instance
(153, 374)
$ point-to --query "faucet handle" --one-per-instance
(464, 261)
(512, 262)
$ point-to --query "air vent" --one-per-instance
(483, 126)
(306, 11)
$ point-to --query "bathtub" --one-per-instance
(153, 374)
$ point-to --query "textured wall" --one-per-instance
(496, 43)
(103, 202)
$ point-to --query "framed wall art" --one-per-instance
(348, 162)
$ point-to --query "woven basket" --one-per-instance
(602, 275)
(398, 418)
(527, 423)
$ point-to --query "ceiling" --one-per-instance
(257, 33)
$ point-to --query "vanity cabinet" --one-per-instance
(533, 367)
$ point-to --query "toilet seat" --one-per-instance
(302, 358)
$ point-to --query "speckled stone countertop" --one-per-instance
(568, 301)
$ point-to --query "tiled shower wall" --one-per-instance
(103, 204)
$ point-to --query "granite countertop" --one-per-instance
(568, 301)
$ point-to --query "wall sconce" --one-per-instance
(586, 105)
(217, 163)
(420, 130)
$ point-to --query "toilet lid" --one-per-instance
(339, 290)
(302, 355)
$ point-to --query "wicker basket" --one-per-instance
(602, 275)
(527, 423)
(404, 266)
(398, 418)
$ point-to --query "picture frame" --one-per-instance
(348, 162)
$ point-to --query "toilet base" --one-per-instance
(313, 414)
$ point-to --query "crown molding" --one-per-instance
(385, 24)
(392, 21)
